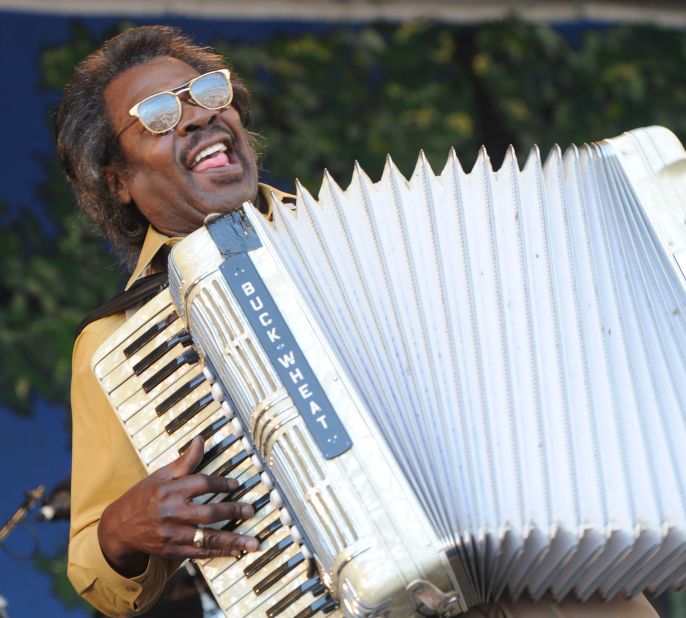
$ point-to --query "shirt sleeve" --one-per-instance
(104, 466)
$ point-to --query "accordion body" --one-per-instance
(435, 392)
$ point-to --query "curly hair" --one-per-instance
(86, 137)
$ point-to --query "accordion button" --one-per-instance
(275, 499)
(227, 410)
(285, 517)
(237, 428)
(247, 446)
(217, 392)
(257, 464)
(267, 481)
(295, 535)
(208, 375)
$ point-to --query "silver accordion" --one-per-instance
(436, 391)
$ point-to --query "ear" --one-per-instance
(116, 179)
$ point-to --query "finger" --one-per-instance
(194, 485)
(185, 463)
(216, 511)
(179, 544)
(220, 543)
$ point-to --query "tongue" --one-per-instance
(218, 160)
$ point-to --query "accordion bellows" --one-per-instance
(519, 337)
(506, 355)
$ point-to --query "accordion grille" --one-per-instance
(217, 328)
(307, 474)
(175, 282)
(220, 332)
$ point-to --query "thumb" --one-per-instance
(186, 463)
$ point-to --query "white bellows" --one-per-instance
(519, 338)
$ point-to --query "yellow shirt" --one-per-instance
(105, 465)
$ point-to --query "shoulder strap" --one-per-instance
(141, 291)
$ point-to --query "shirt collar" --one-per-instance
(154, 240)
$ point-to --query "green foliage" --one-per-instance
(544, 91)
(360, 93)
(49, 282)
(46, 287)
(353, 93)
(58, 63)
(677, 604)
(356, 94)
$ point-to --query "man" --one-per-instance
(143, 189)
(149, 157)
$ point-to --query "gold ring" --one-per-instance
(199, 538)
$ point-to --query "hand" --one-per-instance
(157, 517)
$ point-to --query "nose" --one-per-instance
(194, 117)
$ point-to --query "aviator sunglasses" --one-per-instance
(161, 112)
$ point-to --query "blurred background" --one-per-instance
(333, 82)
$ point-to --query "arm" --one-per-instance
(130, 531)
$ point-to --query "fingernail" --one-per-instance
(247, 511)
(251, 545)
(233, 483)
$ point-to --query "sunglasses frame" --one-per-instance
(175, 92)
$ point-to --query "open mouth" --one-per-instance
(215, 156)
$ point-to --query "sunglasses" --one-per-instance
(161, 112)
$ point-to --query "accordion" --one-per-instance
(435, 391)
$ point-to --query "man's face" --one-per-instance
(174, 193)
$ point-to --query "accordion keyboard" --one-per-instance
(164, 398)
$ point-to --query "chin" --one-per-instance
(222, 208)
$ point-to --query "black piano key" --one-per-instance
(268, 556)
(260, 503)
(257, 506)
(179, 394)
(268, 530)
(276, 575)
(150, 334)
(323, 604)
(329, 606)
(263, 535)
(216, 450)
(182, 337)
(243, 488)
(232, 463)
(188, 357)
(313, 585)
(188, 413)
(311, 568)
(206, 433)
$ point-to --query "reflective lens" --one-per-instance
(161, 112)
(212, 90)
